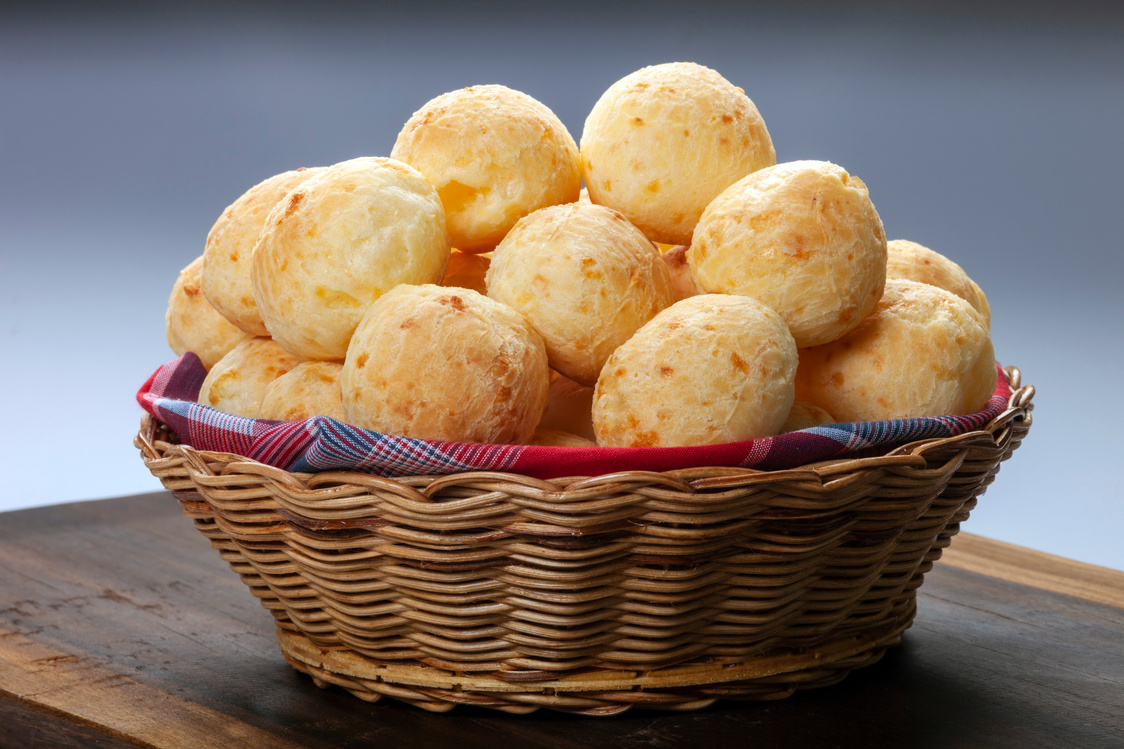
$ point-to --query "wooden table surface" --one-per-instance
(119, 626)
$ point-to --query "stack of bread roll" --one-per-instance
(467, 288)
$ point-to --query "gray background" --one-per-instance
(989, 132)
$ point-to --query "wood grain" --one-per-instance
(1037, 569)
(120, 627)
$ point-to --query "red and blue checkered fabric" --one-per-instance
(323, 444)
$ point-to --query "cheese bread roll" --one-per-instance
(230, 245)
(585, 278)
(311, 388)
(192, 324)
(916, 262)
(238, 381)
(804, 238)
(804, 415)
(682, 282)
(710, 369)
(923, 352)
(495, 155)
(445, 364)
(466, 271)
(339, 241)
(661, 143)
(569, 408)
(558, 438)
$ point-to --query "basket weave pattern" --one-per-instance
(589, 594)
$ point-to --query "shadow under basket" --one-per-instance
(589, 594)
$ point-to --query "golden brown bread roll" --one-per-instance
(710, 369)
(495, 155)
(569, 407)
(558, 438)
(467, 271)
(238, 381)
(445, 364)
(802, 237)
(230, 245)
(923, 352)
(682, 282)
(916, 262)
(336, 243)
(662, 142)
(192, 324)
(311, 388)
(804, 415)
(584, 277)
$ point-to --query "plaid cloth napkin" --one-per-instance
(322, 444)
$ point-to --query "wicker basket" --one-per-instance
(589, 594)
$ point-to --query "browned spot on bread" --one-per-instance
(589, 268)
(294, 200)
(637, 121)
(727, 119)
(666, 371)
(451, 301)
(837, 379)
(738, 362)
(361, 361)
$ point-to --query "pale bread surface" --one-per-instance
(494, 154)
(916, 262)
(923, 352)
(336, 243)
(191, 323)
(804, 238)
(710, 369)
(445, 364)
(585, 278)
(664, 141)
(230, 246)
(237, 383)
(311, 388)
